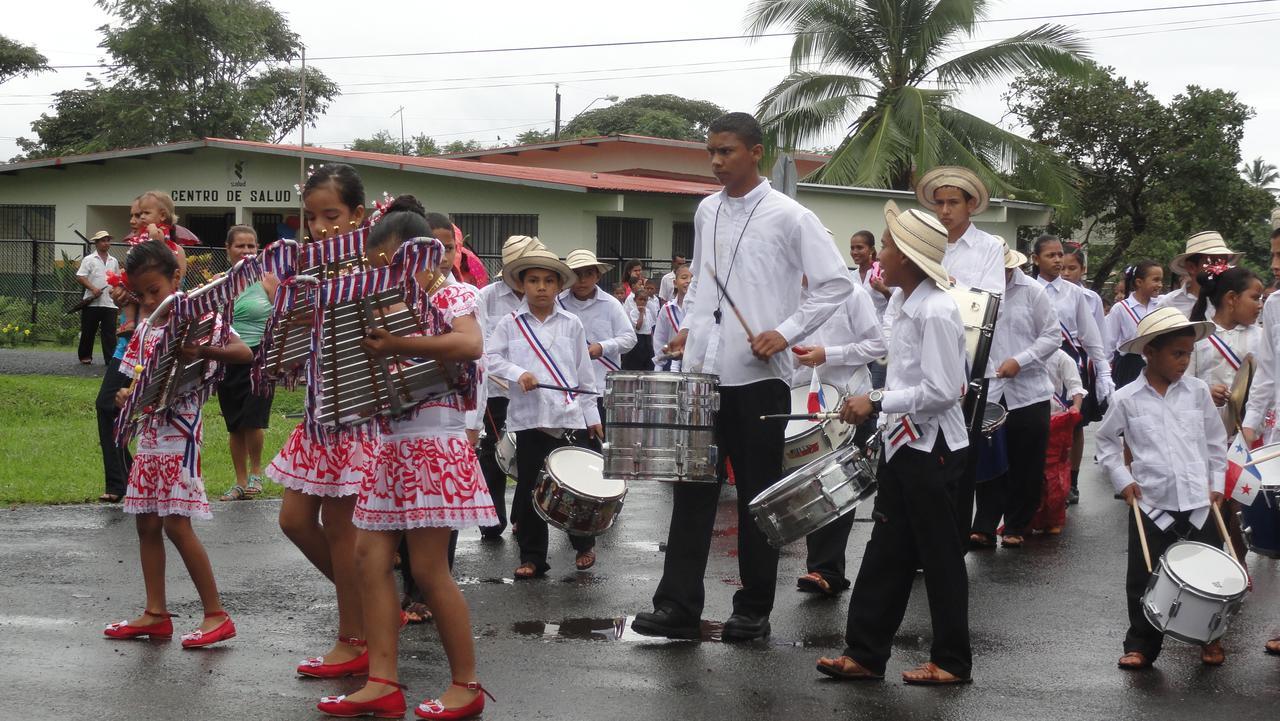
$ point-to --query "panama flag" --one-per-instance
(816, 401)
(1242, 481)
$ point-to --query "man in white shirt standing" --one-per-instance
(98, 315)
(759, 243)
(609, 333)
(667, 288)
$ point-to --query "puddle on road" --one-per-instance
(619, 629)
(472, 580)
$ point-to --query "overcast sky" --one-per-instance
(1213, 47)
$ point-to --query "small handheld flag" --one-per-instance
(1243, 479)
(815, 393)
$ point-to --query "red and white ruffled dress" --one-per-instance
(165, 476)
(427, 474)
(337, 469)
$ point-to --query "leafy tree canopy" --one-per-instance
(659, 116)
(384, 142)
(17, 60)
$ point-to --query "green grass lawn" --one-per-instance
(49, 440)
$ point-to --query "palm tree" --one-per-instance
(881, 77)
(1261, 174)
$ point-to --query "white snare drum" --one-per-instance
(814, 496)
(809, 440)
(572, 493)
(505, 452)
(978, 310)
(1194, 592)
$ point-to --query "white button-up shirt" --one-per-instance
(1262, 393)
(605, 323)
(1177, 442)
(1026, 331)
(759, 246)
(496, 300)
(669, 319)
(1122, 321)
(976, 260)
(851, 339)
(880, 300)
(1099, 316)
(95, 269)
(1076, 319)
(1064, 379)
(1213, 363)
(509, 355)
(926, 373)
(633, 314)
(667, 287)
(1184, 301)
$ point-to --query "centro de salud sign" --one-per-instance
(234, 195)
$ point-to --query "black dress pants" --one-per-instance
(754, 447)
(1142, 636)
(1015, 494)
(495, 417)
(97, 321)
(532, 448)
(116, 460)
(914, 528)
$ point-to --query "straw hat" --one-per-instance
(537, 258)
(1012, 258)
(921, 238)
(1209, 242)
(582, 258)
(516, 245)
(100, 235)
(956, 177)
(1161, 321)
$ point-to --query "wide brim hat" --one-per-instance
(956, 177)
(517, 245)
(1012, 258)
(582, 258)
(1161, 321)
(921, 238)
(1210, 242)
(100, 235)
(537, 258)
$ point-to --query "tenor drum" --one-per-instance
(978, 310)
(1194, 592)
(505, 452)
(573, 495)
(814, 496)
(809, 440)
(993, 449)
(660, 426)
(1261, 523)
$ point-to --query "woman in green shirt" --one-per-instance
(246, 413)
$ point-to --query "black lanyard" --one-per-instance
(715, 256)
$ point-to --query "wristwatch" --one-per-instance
(876, 397)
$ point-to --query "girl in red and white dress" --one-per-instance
(165, 488)
(321, 480)
(428, 484)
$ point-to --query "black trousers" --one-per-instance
(826, 546)
(963, 496)
(532, 447)
(116, 460)
(1142, 636)
(495, 417)
(1015, 494)
(754, 447)
(99, 321)
(640, 357)
(914, 528)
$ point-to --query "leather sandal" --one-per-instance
(526, 571)
(585, 560)
(1212, 654)
(930, 674)
(815, 583)
(1134, 661)
(1012, 541)
(843, 668)
(1273, 646)
(981, 540)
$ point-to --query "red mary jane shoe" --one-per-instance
(433, 709)
(317, 668)
(221, 632)
(389, 705)
(123, 630)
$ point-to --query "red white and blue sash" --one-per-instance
(1224, 350)
(543, 355)
(1133, 313)
(675, 315)
(903, 430)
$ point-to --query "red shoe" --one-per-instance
(221, 632)
(433, 709)
(317, 668)
(123, 630)
(390, 705)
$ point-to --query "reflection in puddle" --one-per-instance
(472, 580)
(619, 629)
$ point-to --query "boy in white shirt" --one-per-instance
(542, 343)
(1167, 421)
(609, 333)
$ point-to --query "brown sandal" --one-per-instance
(814, 583)
(1212, 654)
(585, 560)
(981, 540)
(1273, 646)
(929, 674)
(1012, 541)
(526, 571)
(1134, 661)
(843, 668)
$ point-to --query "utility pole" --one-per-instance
(404, 148)
(557, 132)
(302, 150)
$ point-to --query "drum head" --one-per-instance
(583, 471)
(800, 405)
(1205, 568)
(993, 417)
(1268, 470)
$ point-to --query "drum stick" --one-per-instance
(1222, 529)
(1142, 534)
(732, 306)
(800, 417)
(549, 387)
(1264, 459)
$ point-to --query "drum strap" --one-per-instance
(540, 351)
(1225, 351)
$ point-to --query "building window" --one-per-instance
(26, 222)
(267, 226)
(682, 239)
(486, 232)
(619, 240)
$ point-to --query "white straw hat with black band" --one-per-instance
(537, 258)
(956, 177)
(1210, 242)
(1012, 258)
(921, 238)
(1161, 321)
(583, 258)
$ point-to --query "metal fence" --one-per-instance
(39, 292)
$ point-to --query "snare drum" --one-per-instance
(1261, 523)
(573, 495)
(809, 440)
(993, 450)
(814, 496)
(978, 310)
(659, 426)
(505, 452)
(1194, 592)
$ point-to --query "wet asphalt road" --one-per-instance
(1046, 620)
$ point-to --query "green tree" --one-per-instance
(384, 142)
(463, 146)
(532, 137)
(1261, 174)
(659, 116)
(1151, 173)
(890, 89)
(185, 69)
(17, 60)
